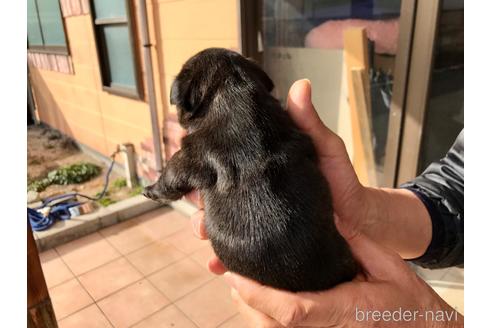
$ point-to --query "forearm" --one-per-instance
(398, 220)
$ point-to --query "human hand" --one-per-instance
(350, 199)
(198, 226)
(395, 218)
(386, 294)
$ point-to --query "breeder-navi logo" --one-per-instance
(401, 315)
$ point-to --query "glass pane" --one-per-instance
(109, 8)
(51, 22)
(119, 56)
(305, 39)
(33, 30)
(444, 116)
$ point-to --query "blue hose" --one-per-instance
(61, 211)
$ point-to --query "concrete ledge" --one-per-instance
(185, 207)
(64, 231)
(118, 168)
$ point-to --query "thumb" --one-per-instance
(376, 260)
(304, 115)
(300, 107)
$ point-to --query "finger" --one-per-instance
(201, 203)
(333, 158)
(302, 111)
(344, 229)
(377, 261)
(320, 309)
(195, 197)
(253, 317)
(282, 306)
(216, 266)
(198, 224)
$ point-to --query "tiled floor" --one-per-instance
(448, 283)
(146, 272)
(151, 272)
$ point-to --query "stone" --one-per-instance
(32, 196)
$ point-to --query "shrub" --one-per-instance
(70, 174)
(119, 183)
(106, 201)
(136, 191)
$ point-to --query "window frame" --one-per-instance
(413, 68)
(50, 49)
(418, 88)
(103, 58)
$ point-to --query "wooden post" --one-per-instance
(356, 59)
(360, 83)
(40, 312)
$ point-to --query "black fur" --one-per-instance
(268, 207)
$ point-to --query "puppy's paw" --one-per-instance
(158, 195)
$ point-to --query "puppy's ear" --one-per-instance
(174, 96)
(253, 69)
(185, 95)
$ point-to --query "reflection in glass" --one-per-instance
(444, 115)
(304, 39)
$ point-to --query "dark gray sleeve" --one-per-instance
(441, 188)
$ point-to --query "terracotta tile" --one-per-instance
(154, 257)
(169, 317)
(186, 241)
(48, 255)
(108, 278)
(127, 236)
(86, 253)
(68, 298)
(236, 321)
(132, 304)
(163, 222)
(428, 274)
(208, 306)
(455, 275)
(180, 278)
(203, 255)
(90, 317)
(453, 295)
(55, 271)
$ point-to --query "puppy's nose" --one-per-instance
(150, 193)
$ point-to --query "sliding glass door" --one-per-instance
(386, 75)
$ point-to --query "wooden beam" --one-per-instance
(363, 108)
(356, 57)
(40, 312)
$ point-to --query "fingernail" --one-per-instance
(336, 219)
(195, 228)
(307, 80)
(302, 80)
(229, 278)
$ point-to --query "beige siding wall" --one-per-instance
(186, 27)
(77, 105)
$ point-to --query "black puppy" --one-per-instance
(268, 208)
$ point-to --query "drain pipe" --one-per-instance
(150, 84)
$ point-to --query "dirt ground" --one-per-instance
(48, 149)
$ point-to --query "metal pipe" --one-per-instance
(150, 84)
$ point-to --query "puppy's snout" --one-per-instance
(150, 193)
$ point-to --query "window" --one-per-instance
(45, 29)
(113, 28)
(306, 39)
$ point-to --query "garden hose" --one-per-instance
(44, 216)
